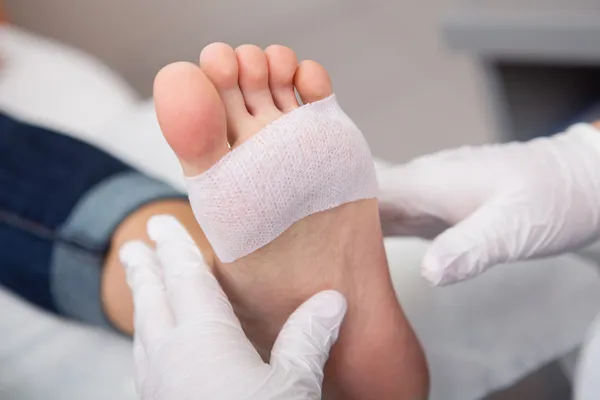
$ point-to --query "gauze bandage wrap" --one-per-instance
(310, 160)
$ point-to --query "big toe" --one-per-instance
(191, 116)
(312, 82)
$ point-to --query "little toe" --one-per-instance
(312, 82)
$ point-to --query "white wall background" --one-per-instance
(395, 77)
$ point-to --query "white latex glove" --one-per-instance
(189, 344)
(587, 384)
(495, 204)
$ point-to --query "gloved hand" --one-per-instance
(495, 204)
(189, 344)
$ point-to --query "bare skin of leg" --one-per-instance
(116, 296)
(229, 99)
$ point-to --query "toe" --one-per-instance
(254, 81)
(282, 63)
(219, 62)
(191, 116)
(312, 82)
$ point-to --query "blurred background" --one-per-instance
(391, 68)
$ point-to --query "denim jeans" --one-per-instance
(60, 201)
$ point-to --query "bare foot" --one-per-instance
(229, 99)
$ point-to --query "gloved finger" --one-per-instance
(306, 338)
(193, 291)
(468, 249)
(409, 198)
(153, 317)
(140, 362)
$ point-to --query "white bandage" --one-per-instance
(310, 160)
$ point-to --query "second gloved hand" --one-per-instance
(189, 344)
(495, 204)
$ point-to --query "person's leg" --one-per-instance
(116, 296)
(234, 95)
(64, 207)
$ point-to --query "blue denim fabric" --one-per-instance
(60, 201)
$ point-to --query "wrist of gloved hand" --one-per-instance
(494, 204)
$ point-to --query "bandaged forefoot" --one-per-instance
(310, 160)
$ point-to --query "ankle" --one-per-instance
(116, 296)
